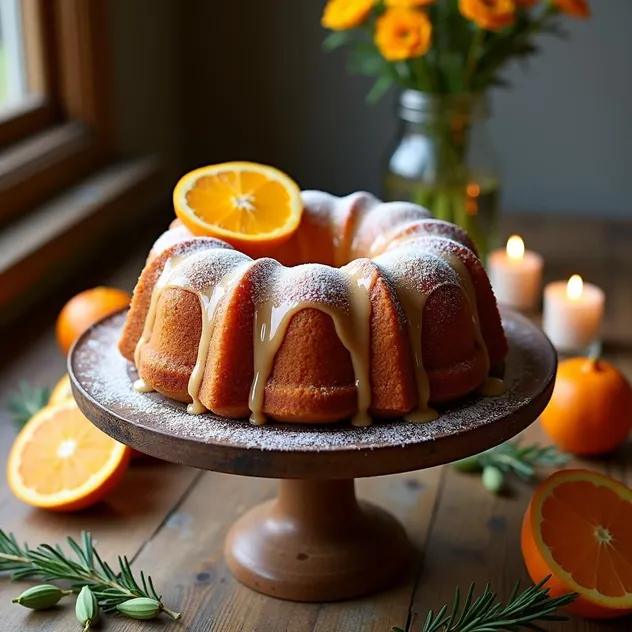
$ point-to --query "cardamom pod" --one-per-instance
(41, 597)
(140, 608)
(493, 479)
(87, 608)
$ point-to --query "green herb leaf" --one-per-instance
(26, 402)
(522, 611)
(50, 563)
(511, 458)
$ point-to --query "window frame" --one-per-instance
(62, 132)
(66, 193)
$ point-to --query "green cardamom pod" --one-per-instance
(41, 597)
(493, 478)
(140, 608)
(87, 608)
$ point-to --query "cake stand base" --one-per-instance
(316, 542)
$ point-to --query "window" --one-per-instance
(54, 133)
(13, 77)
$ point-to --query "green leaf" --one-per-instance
(365, 59)
(26, 402)
(379, 89)
(336, 39)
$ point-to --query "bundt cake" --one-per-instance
(371, 310)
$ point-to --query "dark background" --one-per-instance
(203, 81)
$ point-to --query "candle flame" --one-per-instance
(515, 248)
(575, 287)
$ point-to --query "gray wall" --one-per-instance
(145, 38)
(565, 132)
(202, 81)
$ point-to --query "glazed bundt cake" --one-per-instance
(371, 310)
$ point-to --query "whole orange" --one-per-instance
(590, 411)
(85, 309)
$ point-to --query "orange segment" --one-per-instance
(61, 391)
(251, 206)
(578, 528)
(61, 461)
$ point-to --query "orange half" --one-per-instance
(61, 391)
(253, 207)
(60, 461)
(578, 528)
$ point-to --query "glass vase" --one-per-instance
(444, 161)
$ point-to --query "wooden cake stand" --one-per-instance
(316, 541)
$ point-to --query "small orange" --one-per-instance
(577, 529)
(61, 391)
(251, 206)
(60, 461)
(85, 309)
(590, 411)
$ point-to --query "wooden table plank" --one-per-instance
(188, 553)
(121, 525)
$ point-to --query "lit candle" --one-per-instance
(516, 275)
(573, 312)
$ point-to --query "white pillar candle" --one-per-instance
(573, 312)
(516, 275)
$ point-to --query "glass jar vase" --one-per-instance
(444, 161)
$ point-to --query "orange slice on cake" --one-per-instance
(251, 206)
(60, 461)
(578, 529)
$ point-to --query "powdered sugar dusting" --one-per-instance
(420, 270)
(106, 377)
(203, 270)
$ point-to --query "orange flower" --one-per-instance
(492, 15)
(340, 15)
(403, 34)
(576, 8)
(408, 4)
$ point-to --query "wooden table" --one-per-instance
(172, 520)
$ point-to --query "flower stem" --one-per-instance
(472, 59)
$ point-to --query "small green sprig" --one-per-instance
(50, 563)
(26, 401)
(511, 458)
(522, 611)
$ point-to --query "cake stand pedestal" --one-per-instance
(315, 541)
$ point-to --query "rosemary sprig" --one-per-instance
(511, 458)
(522, 611)
(50, 563)
(24, 403)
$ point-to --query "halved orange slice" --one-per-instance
(251, 206)
(61, 391)
(60, 461)
(578, 529)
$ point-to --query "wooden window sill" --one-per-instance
(32, 170)
(44, 246)
(29, 116)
